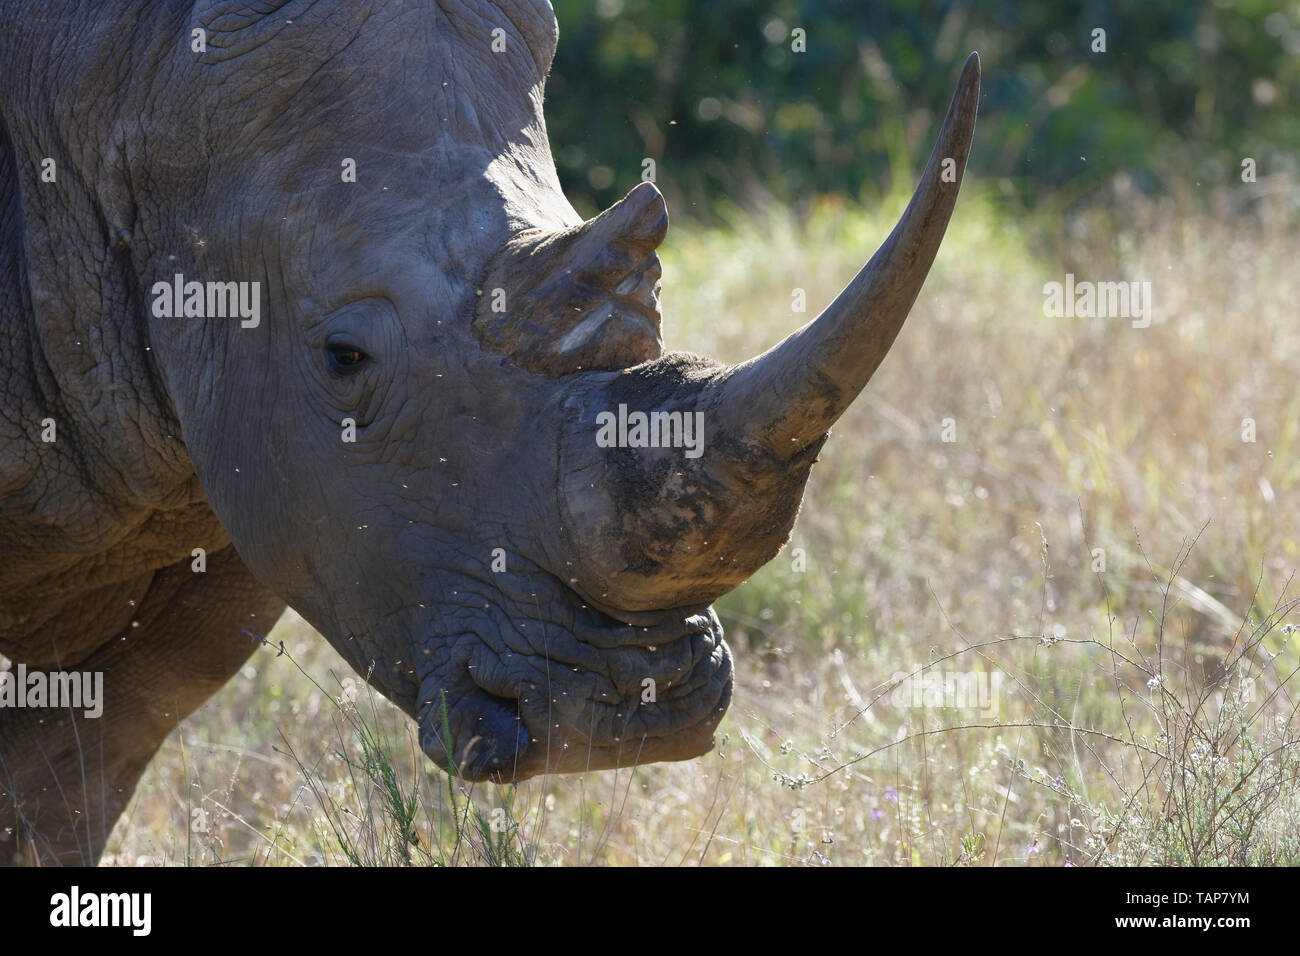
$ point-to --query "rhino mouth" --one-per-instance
(599, 695)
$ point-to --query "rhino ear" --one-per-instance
(584, 298)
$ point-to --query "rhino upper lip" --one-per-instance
(512, 732)
(656, 626)
(527, 752)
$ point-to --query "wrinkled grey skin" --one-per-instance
(473, 433)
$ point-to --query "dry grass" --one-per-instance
(1144, 714)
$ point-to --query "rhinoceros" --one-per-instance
(296, 314)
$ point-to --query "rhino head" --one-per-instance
(407, 444)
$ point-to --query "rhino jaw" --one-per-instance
(647, 693)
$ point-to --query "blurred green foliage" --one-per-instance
(715, 94)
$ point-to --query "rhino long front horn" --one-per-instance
(789, 396)
(654, 522)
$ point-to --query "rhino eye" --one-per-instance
(344, 358)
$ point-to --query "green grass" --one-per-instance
(1146, 712)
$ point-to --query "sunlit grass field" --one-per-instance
(1101, 547)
